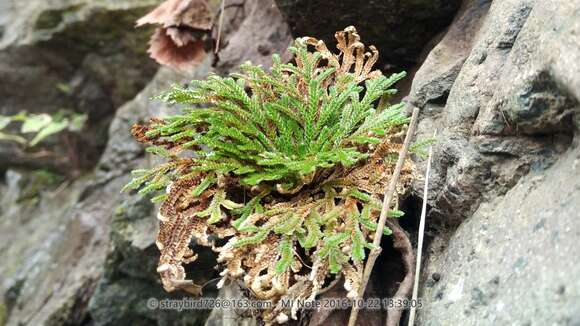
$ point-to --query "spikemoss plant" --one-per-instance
(287, 166)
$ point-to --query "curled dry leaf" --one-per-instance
(185, 27)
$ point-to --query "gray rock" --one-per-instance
(512, 262)
(244, 43)
(480, 152)
(80, 52)
(80, 55)
(538, 94)
(130, 278)
(229, 317)
(504, 183)
(53, 250)
(432, 83)
(122, 150)
(53, 243)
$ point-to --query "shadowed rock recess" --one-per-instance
(399, 29)
(500, 81)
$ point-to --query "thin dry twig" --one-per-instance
(383, 217)
(421, 236)
(402, 243)
(59, 189)
(219, 33)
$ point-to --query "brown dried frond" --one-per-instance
(255, 263)
(139, 132)
(374, 174)
(352, 52)
(176, 49)
(177, 226)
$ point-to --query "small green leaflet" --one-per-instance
(286, 256)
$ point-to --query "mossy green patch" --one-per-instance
(3, 314)
(50, 19)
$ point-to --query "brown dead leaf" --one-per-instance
(185, 27)
(192, 13)
(166, 52)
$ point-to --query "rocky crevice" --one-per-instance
(399, 29)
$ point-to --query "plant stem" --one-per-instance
(388, 197)
(219, 32)
(401, 243)
(421, 236)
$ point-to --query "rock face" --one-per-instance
(82, 56)
(73, 43)
(511, 262)
(504, 195)
(501, 84)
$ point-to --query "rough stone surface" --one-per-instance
(130, 279)
(246, 43)
(512, 262)
(480, 153)
(230, 317)
(53, 247)
(439, 70)
(82, 56)
(502, 224)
